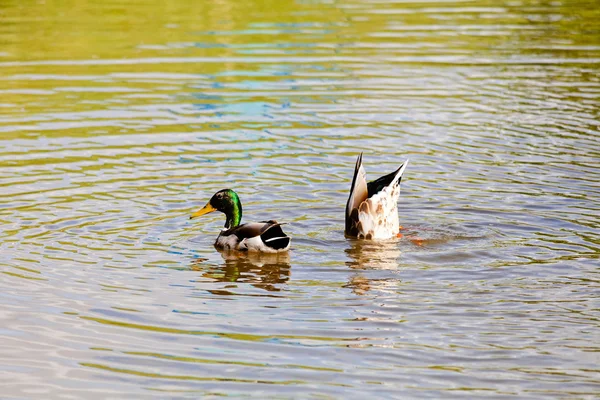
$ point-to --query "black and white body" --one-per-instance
(265, 236)
(372, 208)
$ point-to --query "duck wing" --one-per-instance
(358, 193)
(250, 230)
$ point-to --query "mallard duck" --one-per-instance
(372, 208)
(265, 236)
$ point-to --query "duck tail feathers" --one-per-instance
(390, 180)
(275, 238)
(399, 172)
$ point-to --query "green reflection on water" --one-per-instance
(188, 377)
(235, 336)
(212, 361)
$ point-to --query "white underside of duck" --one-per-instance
(378, 215)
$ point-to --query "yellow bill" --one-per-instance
(205, 210)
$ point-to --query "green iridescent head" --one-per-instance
(226, 201)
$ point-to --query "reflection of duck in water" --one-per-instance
(264, 271)
(368, 254)
(265, 237)
(372, 208)
(373, 254)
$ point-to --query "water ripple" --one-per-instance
(107, 146)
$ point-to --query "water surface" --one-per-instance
(117, 121)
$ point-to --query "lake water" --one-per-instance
(117, 120)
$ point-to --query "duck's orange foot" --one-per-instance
(417, 241)
(398, 235)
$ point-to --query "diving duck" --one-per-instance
(372, 208)
(265, 236)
